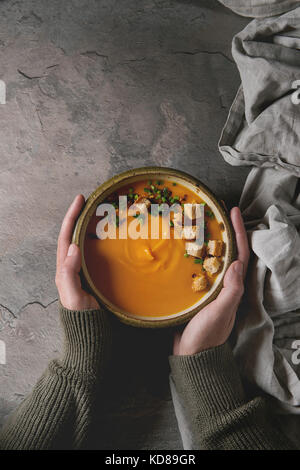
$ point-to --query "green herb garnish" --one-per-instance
(198, 261)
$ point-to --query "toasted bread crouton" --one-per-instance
(211, 265)
(199, 283)
(189, 232)
(215, 247)
(143, 200)
(177, 219)
(141, 204)
(193, 249)
(190, 210)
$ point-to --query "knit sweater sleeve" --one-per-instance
(211, 393)
(57, 414)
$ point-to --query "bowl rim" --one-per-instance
(78, 238)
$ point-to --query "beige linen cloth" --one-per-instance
(263, 130)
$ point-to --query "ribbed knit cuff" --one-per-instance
(209, 379)
(87, 339)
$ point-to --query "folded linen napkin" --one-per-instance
(260, 8)
(263, 130)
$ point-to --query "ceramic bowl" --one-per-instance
(129, 177)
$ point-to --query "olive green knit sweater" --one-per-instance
(58, 412)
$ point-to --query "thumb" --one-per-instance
(72, 261)
(177, 337)
(233, 289)
(68, 283)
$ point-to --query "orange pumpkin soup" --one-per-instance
(154, 277)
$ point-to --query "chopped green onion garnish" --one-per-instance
(198, 261)
(174, 184)
(176, 198)
(163, 199)
(147, 190)
(136, 196)
(186, 255)
(171, 223)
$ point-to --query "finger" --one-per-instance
(65, 235)
(241, 237)
(73, 260)
(231, 294)
(68, 279)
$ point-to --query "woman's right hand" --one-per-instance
(212, 326)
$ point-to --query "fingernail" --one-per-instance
(71, 250)
(239, 268)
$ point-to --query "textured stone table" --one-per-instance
(94, 88)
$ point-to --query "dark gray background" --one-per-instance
(95, 88)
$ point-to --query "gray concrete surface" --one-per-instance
(94, 88)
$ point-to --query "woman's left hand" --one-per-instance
(68, 265)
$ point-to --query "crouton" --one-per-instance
(190, 210)
(177, 219)
(211, 265)
(143, 200)
(141, 204)
(199, 283)
(189, 233)
(215, 247)
(193, 249)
